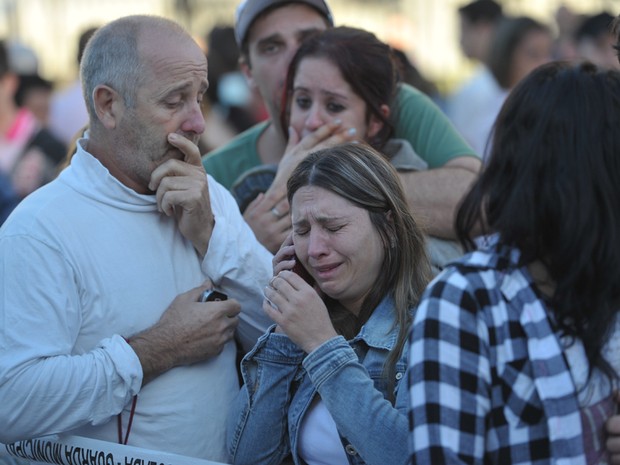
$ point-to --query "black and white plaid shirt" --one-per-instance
(488, 381)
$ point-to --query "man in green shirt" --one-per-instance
(268, 33)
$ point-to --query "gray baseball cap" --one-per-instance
(249, 10)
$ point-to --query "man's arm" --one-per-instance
(188, 332)
(45, 386)
(238, 264)
(434, 195)
(209, 217)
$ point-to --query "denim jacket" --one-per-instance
(280, 382)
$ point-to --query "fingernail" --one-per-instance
(172, 136)
(337, 121)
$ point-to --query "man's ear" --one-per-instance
(246, 69)
(375, 124)
(109, 106)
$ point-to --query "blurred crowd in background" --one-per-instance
(497, 43)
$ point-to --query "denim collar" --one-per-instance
(379, 331)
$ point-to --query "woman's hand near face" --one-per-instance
(297, 149)
(298, 310)
(284, 258)
(268, 214)
(269, 219)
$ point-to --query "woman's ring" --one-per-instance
(276, 212)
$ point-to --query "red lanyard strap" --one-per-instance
(119, 422)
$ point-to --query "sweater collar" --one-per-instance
(88, 176)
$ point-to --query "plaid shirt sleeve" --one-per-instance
(449, 374)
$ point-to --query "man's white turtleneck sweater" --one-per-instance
(84, 260)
